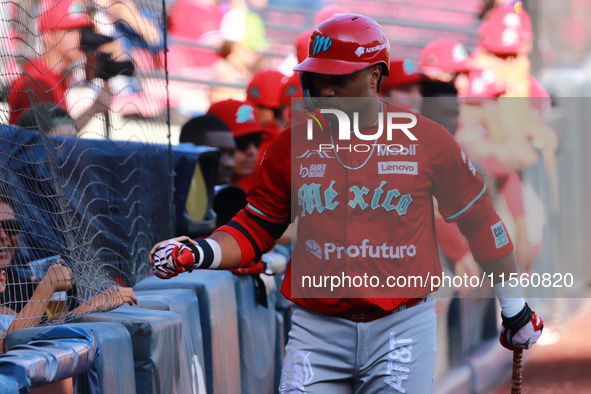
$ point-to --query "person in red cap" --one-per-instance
(45, 79)
(444, 60)
(291, 99)
(263, 91)
(403, 85)
(360, 212)
(243, 120)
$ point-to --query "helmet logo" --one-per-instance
(245, 114)
(376, 48)
(360, 51)
(321, 43)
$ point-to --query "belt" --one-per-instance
(365, 315)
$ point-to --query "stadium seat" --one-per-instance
(58, 354)
(8, 385)
(156, 338)
(185, 303)
(256, 330)
(280, 341)
(114, 363)
(217, 308)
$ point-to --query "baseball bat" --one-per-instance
(517, 372)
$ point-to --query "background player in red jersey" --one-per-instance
(361, 343)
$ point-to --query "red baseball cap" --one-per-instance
(505, 32)
(290, 87)
(240, 117)
(263, 88)
(444, 55)
(302, 42)
(402, 72)
(63, 15)
(482, 84)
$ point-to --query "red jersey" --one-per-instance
(37, 84)
(376, 220)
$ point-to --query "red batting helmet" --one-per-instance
(346, 44)
(506, 32)
(263, 89)
(444, 55)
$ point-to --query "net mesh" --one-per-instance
(79, 186)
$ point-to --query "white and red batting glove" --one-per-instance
(522, 330)
(172, 258)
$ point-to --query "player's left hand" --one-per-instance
(522, 330)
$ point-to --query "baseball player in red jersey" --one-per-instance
(360, 211)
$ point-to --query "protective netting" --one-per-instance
(85, 154)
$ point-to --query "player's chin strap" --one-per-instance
(309, 102)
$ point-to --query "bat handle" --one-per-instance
(517, 372)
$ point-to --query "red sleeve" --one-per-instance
(455, 182)
(268, 210)
(270, 194)
(486, 233)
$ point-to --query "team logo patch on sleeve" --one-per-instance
(500, 234)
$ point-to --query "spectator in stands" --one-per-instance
(58, 278)
(209, 130)
(49, 118)
(139, 36)
(16, 294)
(447, 61)
(243, 120)
(46, 78)
(17, 290)
(243, 36)
(264, 92)
(403, 86)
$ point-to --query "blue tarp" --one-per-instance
(60, 353)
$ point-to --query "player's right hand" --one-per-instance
(172, 257)
(522, 330)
